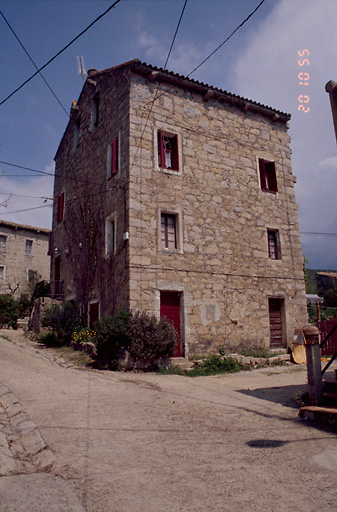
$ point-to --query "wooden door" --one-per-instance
(275, 321)
(170, 309)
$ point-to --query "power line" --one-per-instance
(227, 39)
(312, 233)
(32, 61)
(21, 195)
(55, 175)
(212, 53)
(27, 209)
(58, 53)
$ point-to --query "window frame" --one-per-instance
(110, 228)
(274, 246)
(267, 174)
(4, 246)
(3, 273)
(31, 279)
(29, 252)
(113, 160)
(173, 139)
(95, 111)
(60, 207)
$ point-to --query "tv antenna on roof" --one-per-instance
(81, 68)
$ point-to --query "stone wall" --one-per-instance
(16, 259)
(221, 265)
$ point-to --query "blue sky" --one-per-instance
(259, 62)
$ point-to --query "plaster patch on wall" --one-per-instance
(209, 312)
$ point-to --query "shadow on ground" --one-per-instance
(289, 396)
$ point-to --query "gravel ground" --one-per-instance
(124, 442)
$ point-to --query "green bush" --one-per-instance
(111, 337)
(9, 311)
(63, 320)
(149, 337)
(214, 365)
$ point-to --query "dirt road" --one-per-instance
(128, 442)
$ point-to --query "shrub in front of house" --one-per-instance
(9, 311)
(111, 338)
(62, 320)
(150, 339)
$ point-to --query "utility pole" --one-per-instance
(331, 88)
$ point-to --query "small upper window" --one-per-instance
(267, 175)
(110, 235)
(77, 129)
(168, 151)
(3, 243)
(29, 248)
(2, 271)
(114, 155)
(95, 111)
(169, 231)
(32, 275)
(60, 208)
(274, 247)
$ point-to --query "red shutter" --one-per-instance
(114, 156)
(161, 150)
(262, 174)
(175, 159)
(60, 207)
(272, 176)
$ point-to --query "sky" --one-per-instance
(263, 61)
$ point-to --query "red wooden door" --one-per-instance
(170, 309)
(275, 319)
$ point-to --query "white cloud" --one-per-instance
(328, 163)
(267, 71)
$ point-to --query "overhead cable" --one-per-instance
(58, 53)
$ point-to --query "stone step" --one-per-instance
(182, 363)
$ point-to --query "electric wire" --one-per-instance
(58, 53)
(213, 52)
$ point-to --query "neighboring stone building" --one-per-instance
(23, 258)
(177, 198)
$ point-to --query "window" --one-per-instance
(267, 175)
(3, 243)
(274, 244)
(114, 156)
(2, 271)
(168, 151)
(168, 231)
(60, 208)
(32, 275)
(95, 112)
(77, 129)
(110, 235)
(29, 248)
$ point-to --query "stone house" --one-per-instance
(175, 197)
(24, 258)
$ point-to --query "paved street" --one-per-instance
(125, 442)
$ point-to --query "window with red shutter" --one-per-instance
(60, 208)
(168, 151)
(267, 175)
(114, 156)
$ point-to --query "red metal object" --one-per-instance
(170, 309)
(325, 327)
